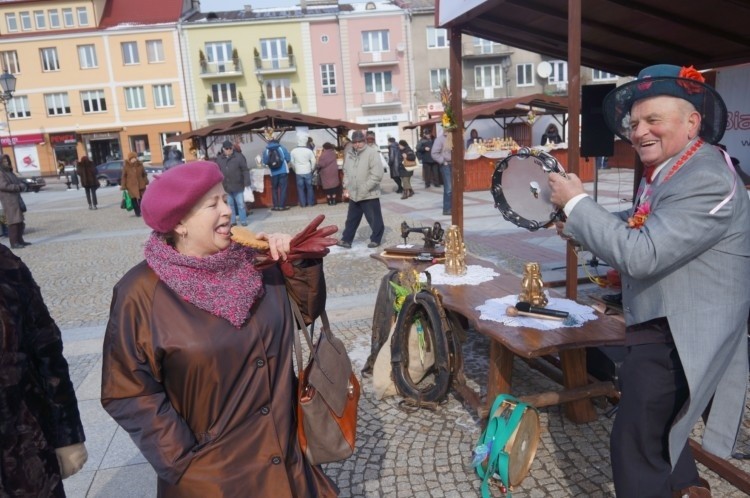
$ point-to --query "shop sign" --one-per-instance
(383, 118)
(35, 138)
(62, 138)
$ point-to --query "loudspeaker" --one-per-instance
(596, 139)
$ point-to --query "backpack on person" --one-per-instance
(275, 161)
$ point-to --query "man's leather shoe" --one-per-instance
(446, 213)
(17, 246)
(373, 245)
(344, 244)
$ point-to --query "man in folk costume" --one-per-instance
(683, 252)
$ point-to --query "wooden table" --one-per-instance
(527, 343)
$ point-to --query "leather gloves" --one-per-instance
(311, 243)
(71, 459)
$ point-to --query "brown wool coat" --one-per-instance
(134, 179)
(329, 169)
(210, 406)
(10, 197)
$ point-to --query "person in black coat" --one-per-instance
(41, 435)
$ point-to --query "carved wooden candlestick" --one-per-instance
(532, 287)
(455, 252)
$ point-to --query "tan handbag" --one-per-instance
(327, 395)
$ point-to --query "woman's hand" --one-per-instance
(278, 243)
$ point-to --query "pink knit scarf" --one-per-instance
(225, 284)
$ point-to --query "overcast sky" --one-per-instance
(221, 5)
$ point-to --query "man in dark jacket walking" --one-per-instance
(430, 169)
(393, 155)
(233, 166)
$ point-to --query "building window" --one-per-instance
(559, 72)
(130, 53)
(68, 18)
(25, 21)
(490, 76)
(163, 96)
(87, 56)
(18, 107)
(154, 51)
(11, 22)
(41, 20)
(139, 145)
(375, 41)
(328, 78)
(324, 39)
(49, 59)
(93, 101)
(378, 82)
(273, 50)
(9, 61)
(54, 19)
(482, 46)
(135, 98)
(83, 16)
(57, 104)
(437, 76)
(437, 37)
(525, 74)
(599, 75)
(224, 93)
(278, 89)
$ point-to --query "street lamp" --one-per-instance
(8, 86)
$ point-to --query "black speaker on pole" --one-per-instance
(596, 139)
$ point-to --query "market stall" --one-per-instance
(268, 124)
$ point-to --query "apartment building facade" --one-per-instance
(93, 78)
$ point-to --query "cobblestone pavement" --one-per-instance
(78, 255)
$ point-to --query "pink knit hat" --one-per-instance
(171, 195)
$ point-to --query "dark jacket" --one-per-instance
(235, 171)
(422, 153)
(134, 179)
(403, 153)
(209, 406)
(329, 169)
(87, 173)
(38, 406)
(393, 155)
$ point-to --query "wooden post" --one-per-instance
(457, 155)
(500, 372)
(574, 113)
(573, 363)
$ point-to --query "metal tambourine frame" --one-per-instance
(520, 189)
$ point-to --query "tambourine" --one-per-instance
(521, 192)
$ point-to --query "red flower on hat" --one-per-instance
(690, 73)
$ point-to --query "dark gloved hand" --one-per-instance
(312, 242)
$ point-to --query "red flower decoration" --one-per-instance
(645, 85)
(690, 73)
(639, 217)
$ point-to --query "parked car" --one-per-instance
(34, 183)
(109, 173)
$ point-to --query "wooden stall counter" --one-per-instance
(525, 342)
(264, 199)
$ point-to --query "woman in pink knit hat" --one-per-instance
(198, 351)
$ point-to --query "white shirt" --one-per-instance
(303, 160)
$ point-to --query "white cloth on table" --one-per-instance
(474, 275)
(494, 310)
(257, 178)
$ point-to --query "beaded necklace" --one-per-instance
(643, 206)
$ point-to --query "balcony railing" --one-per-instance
(381, 99)
(223, 110)
(276, 66)
(288, 105)
(494, 50)
(221, 69)
(388, 58)
(484, 94)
